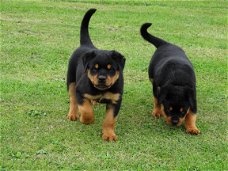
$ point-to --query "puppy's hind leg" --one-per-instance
(73, 111)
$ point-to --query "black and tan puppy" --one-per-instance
(95, 75)
(174, 83)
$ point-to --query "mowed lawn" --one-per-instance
(37, 39)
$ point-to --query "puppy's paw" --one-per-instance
(87, 120)
(156, 113)
(109, 135)
(72, 116)
(193, 131)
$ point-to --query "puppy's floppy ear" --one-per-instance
(87, 57)
(116, 56)
(192, 99)
(162, 91)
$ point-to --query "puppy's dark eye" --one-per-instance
(182, 111)
(93, 71)
(112, 71)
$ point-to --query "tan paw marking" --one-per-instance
(72, 116)
(109, 135)
(156, 113)
(193, 131)
(87, 121)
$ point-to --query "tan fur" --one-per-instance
(181, 120)
(170, 108)
(157, 108)
(111, 96)
(108, 133)
(108, 96)
(73, 111)
(190, 123)
(86, 111)
(168, 118)
(109, 66)
(111, 80)
(92, 97)
(93, 78)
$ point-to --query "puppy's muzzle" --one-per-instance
(175, 120)
(102, 83)
(102, 79)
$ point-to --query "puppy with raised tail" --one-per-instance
(95, 75)
(174, 83)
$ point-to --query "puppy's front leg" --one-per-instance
(157, 108)
(86, 111)
(108, 132)
(190, 124)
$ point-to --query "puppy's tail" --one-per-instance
(84, 34)
(150, 38)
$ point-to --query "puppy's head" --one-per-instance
(103, 68)
(176, 101)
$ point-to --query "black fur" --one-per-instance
(83, 60)
(172, 76)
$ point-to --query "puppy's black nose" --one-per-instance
(101, 78)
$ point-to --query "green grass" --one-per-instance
(37, 38)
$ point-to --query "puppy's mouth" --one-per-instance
(102, 86)
(174, 121)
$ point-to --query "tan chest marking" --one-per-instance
(92, 97)
(114, 97)
(111, 96)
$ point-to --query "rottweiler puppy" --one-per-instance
(95, 75)
(174, 83)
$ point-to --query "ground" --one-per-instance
(37, 38)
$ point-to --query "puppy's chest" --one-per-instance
(104, 98)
